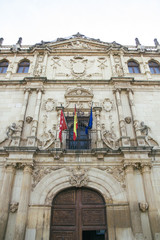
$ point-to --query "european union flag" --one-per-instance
(90, 122)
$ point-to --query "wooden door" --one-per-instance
(76, 211)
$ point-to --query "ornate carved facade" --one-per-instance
(113, 170)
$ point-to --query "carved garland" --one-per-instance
(117, 172)
(40, 172)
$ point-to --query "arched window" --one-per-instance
(23, 67)
(83, 140)
(3, 66)
(133, 67)
(154, 67)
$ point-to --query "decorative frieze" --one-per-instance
(117, 172)
(40, 172)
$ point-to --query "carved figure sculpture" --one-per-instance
(14, 207)
(47, 141)
(109, 138)
(143, 206)
(145, 132)
(12, 129)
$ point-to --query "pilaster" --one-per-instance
(5, 197)
(22, 212)
(98, 127)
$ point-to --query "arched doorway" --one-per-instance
(78, 214)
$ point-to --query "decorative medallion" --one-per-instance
(107, 105)
(49, 105)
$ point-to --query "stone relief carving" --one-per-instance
(118, 66)
(78, 177)
(48, 137)
(109, 139)
(78, 66)
(108, 136)
(40, 66)
(102, 62)
(13, 207)
(79, 45)
(49, 105)
(29, 119)
(40, 172)
(10, 131)
(80, 96)
(143, 206)
(128, 120)
(55, 63)
(117, 172)
(107, 105)
(144, 129)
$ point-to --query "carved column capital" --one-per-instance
(128, 167)
(40, 90)
(10, 167)
(97, 110)
(130, 90)
(117, 90)
(28, 168)
(146, 167)
(28, 90)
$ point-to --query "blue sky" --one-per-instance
(115, 20)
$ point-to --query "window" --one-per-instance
(83, 140)
(23, 67)
(133, 67)
(154, 67)
(3, 66)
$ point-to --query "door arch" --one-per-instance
(78, 214)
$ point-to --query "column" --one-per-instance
(98, 127)
(140, 139)
(32, 139)
(124, 138)
(133, 202)
(5, 197)
(22, 212)
(16, 140)
(154, 216)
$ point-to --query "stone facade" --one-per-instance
(123, 160)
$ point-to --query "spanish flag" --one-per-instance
(75, 125)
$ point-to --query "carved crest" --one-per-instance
(78, 177)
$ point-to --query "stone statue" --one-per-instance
(1, 41)
(156, 42)
(19, 42)
(145, 132)
(137, 42)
